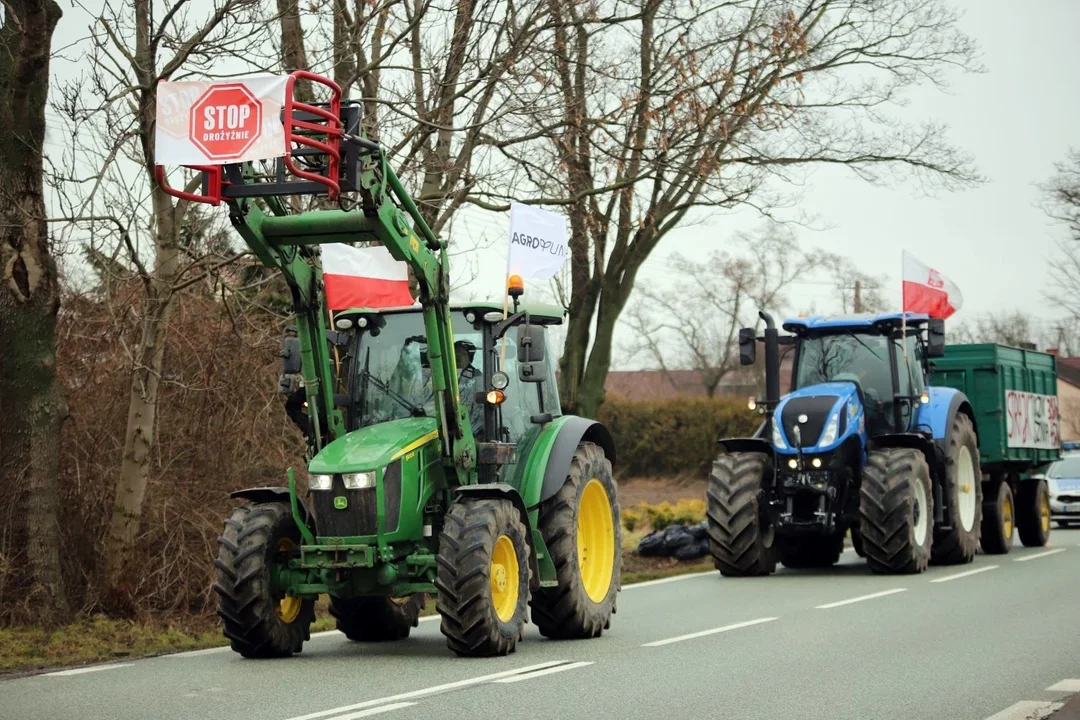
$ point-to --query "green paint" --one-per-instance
(372, 447)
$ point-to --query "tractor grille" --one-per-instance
(816, 409)
(360, 516)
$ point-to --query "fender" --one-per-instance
(570, 434)
(269, 495)
(750, 444)
(502, 491)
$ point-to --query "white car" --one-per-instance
(1063, 482)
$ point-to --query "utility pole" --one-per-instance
(857, 302)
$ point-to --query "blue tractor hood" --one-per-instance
(826, 414)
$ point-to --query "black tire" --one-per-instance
(812, 551)
(999, 511)
(890, 513)
(377, 619)
(1033, 513)
(959, 545)
(569, 610)
(737, 544)
(258, 622)
(466, 601)
(857, 543)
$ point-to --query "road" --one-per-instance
(994, 639)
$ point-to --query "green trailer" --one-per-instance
(1013, 396)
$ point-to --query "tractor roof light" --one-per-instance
(515, 286)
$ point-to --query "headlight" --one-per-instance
(777, 439)
(359, 481)
(829, 436)
(321, 482)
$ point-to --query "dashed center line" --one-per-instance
(1036, 556)
(861, 598)
(1026, 710)
(373, 711)
(1071, 685)
(957, 576)
(539, 673)
(703, 633)
(82, 670)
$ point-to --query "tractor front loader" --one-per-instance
(437, 464)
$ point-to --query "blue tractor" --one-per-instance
(861, 443)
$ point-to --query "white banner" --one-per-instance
(537, 242)
(1032, 420)
(214, 123)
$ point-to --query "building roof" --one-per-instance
(1068, 369)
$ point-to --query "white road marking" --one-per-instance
(373, 711)
(861, 598)
(661, 581)
(90, 669)
(957, 576)
(426, 691)
(1065, 686)
(541, 673)
(703, 633)
(1036, 556)
(1026, 710)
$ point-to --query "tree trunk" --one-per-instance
(32, 402)
(592, 391)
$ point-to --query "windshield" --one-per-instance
(392, 373)
(863, 359)
(1067, 468)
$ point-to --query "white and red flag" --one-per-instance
(928, 291)
(367, 277)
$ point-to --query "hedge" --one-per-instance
(671, 437)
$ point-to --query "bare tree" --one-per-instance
(665, 108)
(1015, 328)
(856, 291)
(694, 322)
(1062, 193)
(108, 195)
(32, 402)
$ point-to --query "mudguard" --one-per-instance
(937, 415)
(270, 494)
(750, 444)
(502, 491)
(570, 433)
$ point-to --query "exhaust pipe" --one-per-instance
(772, 361)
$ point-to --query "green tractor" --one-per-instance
(438, 463)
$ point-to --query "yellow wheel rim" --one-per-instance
(1044, 514)
(1007, 516)
(595, 541)
(504, 578)
(287, 608)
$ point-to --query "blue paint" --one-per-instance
(847, 401)
(934, 417)
(852, 322)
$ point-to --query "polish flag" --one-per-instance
(928, 291)
(367, 277)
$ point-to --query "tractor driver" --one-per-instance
(470, 380)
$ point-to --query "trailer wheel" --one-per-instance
(739, 544)
(483, 577)
(377, 619)
(896, 506)
(813, 551)
(963, 474)
(581, 528)
(856, 542)
(998, 514)
(1033, 516)
(259, 621)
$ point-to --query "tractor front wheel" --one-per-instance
(740, 542)
(260, 621)
(896, 506)
(377, 619)
(483, 577)
(580, 525)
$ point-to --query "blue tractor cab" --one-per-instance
(861, 444)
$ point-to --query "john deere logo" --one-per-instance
(341, 502)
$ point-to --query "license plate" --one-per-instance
(1072, 508)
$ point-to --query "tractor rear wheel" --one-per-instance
(896, 506)
(483, 577)
(810, 551)
(259, 621)
(581, 527)
(998, 518)
(740, 541)
(377, 619)
(964, 475)
(1033, 513)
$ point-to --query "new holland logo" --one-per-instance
(341, 502)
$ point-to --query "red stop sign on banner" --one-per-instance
(225, 121)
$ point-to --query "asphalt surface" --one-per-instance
(994, 639)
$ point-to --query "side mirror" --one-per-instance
(531, 352)
(935, 338)
(290, 355)
(747, 346)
